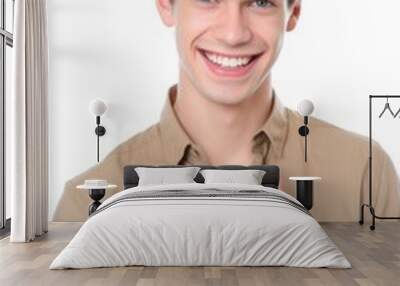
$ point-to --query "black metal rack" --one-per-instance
(369, 205)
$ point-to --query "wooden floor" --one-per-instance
(375, 257)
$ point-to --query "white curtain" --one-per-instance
(29, 140)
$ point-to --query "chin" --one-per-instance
(227, 96)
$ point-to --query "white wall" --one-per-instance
(118, 50)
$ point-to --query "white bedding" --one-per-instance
(183, 231)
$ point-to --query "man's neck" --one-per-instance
(223, 132)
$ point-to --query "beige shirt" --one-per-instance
(338, 156)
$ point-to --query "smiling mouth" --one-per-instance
(229, 62)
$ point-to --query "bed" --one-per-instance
(201, 223)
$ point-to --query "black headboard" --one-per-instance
(270, 179)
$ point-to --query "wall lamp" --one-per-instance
(97, 107)
(305, 108)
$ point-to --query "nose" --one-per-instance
(232, 27)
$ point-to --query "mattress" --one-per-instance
(201, 225)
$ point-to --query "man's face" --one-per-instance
(228, 47)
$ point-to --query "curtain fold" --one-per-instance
(29, 123)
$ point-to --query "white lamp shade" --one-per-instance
(97, 107)
(305, 107)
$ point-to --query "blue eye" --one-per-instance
(262, 3)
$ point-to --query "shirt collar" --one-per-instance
(175, 141)
(276, 126)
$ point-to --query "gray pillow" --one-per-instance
(248, 177)
(161, 176)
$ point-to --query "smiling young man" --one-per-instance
(224, 111)
(227, 50)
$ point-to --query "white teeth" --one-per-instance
(228, 62)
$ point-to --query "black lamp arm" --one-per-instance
(100, 131)
(304, 131)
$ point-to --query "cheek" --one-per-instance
(270, 32)
(276, 43)
(191, 25)
(270, 26)
(185, 35)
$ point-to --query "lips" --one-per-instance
(224, 65)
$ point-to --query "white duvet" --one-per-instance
(203, 231)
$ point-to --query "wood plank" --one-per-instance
(375, 257)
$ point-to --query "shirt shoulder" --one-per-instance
(329, 132)
(338, 140)
(144, 147)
